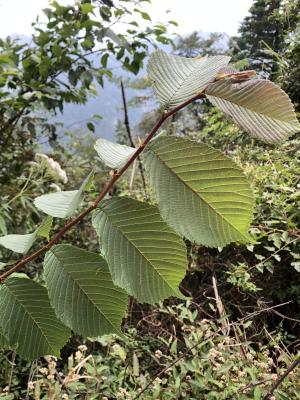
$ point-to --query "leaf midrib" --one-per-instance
(184, 81)
(82, 290)
(254, 111)
(138, 250)
(36, 323)
(198, 194)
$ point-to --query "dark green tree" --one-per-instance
(290, 79)
(196, 44)
(269, 40)
(261, 36)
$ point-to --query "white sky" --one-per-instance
(201, 15)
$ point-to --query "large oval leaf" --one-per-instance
(28, 320)
(82, 292)
(144, 255)
(177, 79)
(201, 193)
(258, 106)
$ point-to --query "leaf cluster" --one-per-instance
(202, 196)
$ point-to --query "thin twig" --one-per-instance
(59, 378)
(273, 254)
(115, 177)
(83, 362)
(11, 121)
(173, 363)
(13, 364)
(126, 118)
(129, 134)
(264, 310)
(30, 377)
(253, 385)
(220, 306)
(21, 191)
(292, 366)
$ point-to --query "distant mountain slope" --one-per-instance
(108, 104)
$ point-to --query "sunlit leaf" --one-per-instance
(258, 106)
(176, 79)
(201, 193)
(63, 204)
(82, 292)
(28, 320)
(144, 255)
(112, 154)
(18, 243)
(22, 243)
(45, 228)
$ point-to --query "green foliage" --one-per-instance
(45, 228)
(239, 276)
(23, 243)
(197, 361)
(290, 76)
(201, 193)
(274, 175)
(258, 106)
(113, 155)
(63, 204)
(269, 40)
(66, 61)
(28, 320)
(81, 291)
(148, 259)
(4, 343)
(177, 79)
(262, 27)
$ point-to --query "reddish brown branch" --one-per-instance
(107, 188)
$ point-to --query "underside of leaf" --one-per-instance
(18, 243)
(82, 292)
(63, 204)
(258, 106)
(28, 320)
(22, 243)
(201, 193)
(144, 255)
(113, 155)
(176, 79)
